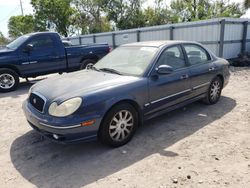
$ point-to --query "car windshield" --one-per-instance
(16, 43)
(127, 60)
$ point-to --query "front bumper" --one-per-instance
(67, 130)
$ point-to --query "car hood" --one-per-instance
(79, 83)
(5, 51)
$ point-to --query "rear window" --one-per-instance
(196, 54)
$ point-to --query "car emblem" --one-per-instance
(34, 100)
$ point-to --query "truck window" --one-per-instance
(42, 42)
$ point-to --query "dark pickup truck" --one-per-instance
(43, 53)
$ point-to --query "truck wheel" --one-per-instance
(119, 125)
(87, 63)
(9, 80)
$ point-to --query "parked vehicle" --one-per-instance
(132, 84)
(42, 53)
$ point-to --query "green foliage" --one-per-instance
(94, 16)
(190, 10)
(223, 9)
(247, 4)
(19, 25)
(53, 13)
(3, 40)
(125, 14)
(89, 16)
(159, 16)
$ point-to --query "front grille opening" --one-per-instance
(37, 102)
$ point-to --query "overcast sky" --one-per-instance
(10, 8)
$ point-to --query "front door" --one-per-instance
(166, 90)
(43, 58)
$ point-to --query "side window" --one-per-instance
(173, 57)
(42, 42)
(196, 54)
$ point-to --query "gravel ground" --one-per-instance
(196, 146)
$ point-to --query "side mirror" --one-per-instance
(164, 69)
(28, 48)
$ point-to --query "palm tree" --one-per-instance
(247, 4)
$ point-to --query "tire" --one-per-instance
(86, 63)
(214, 91)
(116, 131)
(9, 80)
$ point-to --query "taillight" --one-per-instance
(110, 49)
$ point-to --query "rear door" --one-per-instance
(201, 69)
(166, 90)
(44, 57)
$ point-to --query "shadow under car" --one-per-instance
(46, 164)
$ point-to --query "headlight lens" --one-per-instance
(66, 108)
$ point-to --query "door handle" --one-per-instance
(33, 62)
(185, 76)
(54, 56)
(211, 69)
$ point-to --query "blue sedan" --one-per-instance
(133, 83)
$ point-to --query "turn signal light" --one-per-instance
(88, 123)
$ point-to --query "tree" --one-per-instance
(57, 13)
(222, 8)
(19, 25)
(247, 4)
(159, 15)
(3, 40)
(125, 14)
(90, 17)
(190, 10)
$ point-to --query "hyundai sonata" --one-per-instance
(133, 83)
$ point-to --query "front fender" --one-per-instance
(101, 102)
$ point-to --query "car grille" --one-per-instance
(37, 101)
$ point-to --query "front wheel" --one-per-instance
(9, 80)
(88, 63)
(214, 91)
(119, 125)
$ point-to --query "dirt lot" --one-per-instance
(197, 146)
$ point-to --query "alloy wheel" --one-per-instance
(89, 65)
(7, 81)
(121, 125)
(215, 90)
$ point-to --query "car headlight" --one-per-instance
(66, 108)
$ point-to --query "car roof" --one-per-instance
(44, 32)
(158, 43)
(38, 33)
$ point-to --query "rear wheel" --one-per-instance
(88, 63)
(119, 125)
(9, 80)
(214, 91)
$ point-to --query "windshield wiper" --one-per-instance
(110, 70)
